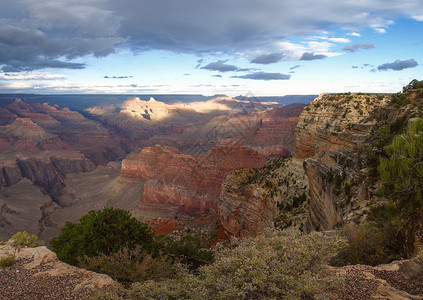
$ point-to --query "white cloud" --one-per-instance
(339, 40)
(380, 30)
(418, 18)
(31, 76)
(354, 34)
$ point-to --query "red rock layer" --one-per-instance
(184, 184)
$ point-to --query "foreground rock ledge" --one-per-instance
(38, 274)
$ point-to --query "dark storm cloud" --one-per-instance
(312, 56)
(266, 59)
(220, 66)
(398, 65)
(355, 47)
(264, 76)
(219, 25)
(36, 64)
(36, 33)
(49, 34)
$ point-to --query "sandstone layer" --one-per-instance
(255, 200)
(333, 135)
(184, 185)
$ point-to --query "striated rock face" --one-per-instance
(244, 211)
(253, 200)
(180, 184)
(329, 135)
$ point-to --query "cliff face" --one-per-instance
(180, 184)
(329, 135)
(254, 200)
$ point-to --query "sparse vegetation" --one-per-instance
(112, 242)
(24, 239)
(414, 84)
(7, 261)
(284, 265)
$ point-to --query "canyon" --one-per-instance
(58, 163)
(242, 168)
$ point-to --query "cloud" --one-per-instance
(266, 59)
(190, 25)
(38, 34)
(38, 64)
(339, 40)
(355, 47)
(354, 67)
(31, 76)
(220, 66)
(354, 34)
(50, 34)
(117, 77)
(418, 18)
(295, 67)
(398, 65)
(217, 76)
(199, 62)
(264, 76)
(312, 56)
(380, 30)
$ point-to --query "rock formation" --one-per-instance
(254, 200)
(329, 135)
(181, 184)
(38, 274)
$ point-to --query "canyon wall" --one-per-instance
(183, 185)
(331, 135)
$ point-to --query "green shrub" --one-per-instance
(187, 251)
(7, 261)
(414, 84)
(401, 172)
(101, 232)
(399, 100)
(285, 265)
(24, 239)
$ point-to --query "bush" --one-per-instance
(401, 172)
(187, 251)
(128, 266)
(101, 232)
(367, 244)
(7, 261)
(275, 266)
(24, 239)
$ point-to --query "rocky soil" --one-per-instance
(399, 280)
(38, 274)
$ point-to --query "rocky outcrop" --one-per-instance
(244, 211)
(329, 135)
(38, 274)
(254, 200)
(181, 184)
(395, 281)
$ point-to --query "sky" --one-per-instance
(233, 47)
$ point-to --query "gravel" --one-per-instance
(16, 282)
